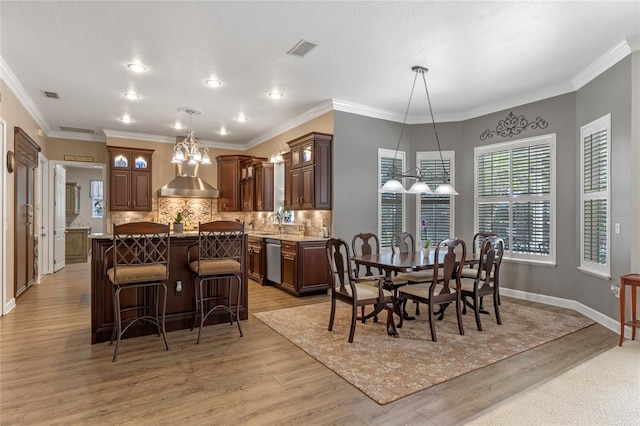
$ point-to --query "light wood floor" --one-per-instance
(51, 374)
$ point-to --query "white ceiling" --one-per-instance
(482, 57)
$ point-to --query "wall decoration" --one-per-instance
(512, 126)
(193, 210)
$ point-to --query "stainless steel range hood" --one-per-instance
(188, 184)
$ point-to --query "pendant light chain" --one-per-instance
(433, 122)
(404, 122)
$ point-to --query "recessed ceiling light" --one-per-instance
(126, 119)
(213, 83)
(178, 126)
(131, 95)
(223, 131)
(241, 118)
(275, 95)
(137, 67)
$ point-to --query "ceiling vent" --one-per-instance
(52, 95)
(301, 49)
(76, 129)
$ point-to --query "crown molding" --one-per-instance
(603, 63)
(14, 84)
(317, 111)
(76, 136)
(138, 136)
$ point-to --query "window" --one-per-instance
(434, 213)
(390, 206)
(96, 194)
(515, 196)
(595, 196)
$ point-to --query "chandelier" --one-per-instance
(277, 156)
(189, 149)
(393, 185)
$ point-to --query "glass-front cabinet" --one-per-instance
(130, 179)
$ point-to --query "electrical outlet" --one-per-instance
(615, 290)
(178, 289)
(617, 228)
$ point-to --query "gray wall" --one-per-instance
(83, 176)
(356, 143)
(610, 93)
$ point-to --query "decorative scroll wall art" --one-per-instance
(512, 126)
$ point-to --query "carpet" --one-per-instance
(387, 368)
(605, 390)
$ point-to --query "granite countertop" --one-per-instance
(88, 227)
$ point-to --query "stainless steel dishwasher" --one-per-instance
(273, 260)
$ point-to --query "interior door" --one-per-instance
(43, 208)
(60, 185)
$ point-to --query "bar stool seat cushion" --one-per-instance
(215, 266)
(138, 273)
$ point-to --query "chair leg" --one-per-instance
(333, 313)
(156, 291)
(432, 326)
(117, 322)
(476, 311)
(113, 301)
(417, 308)
(197, 309)
(201, 310)
(496, 305)
(354, 314)
(391, 324)
(238, 305)
(459, 315)
(164, 313)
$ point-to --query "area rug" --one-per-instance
(605, 390)
(387, 368)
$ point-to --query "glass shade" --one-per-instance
(420, 188)
(445, 188)
(392, 185)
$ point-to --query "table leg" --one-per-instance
(622, 309)
(633, 311)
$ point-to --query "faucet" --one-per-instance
(279, 219)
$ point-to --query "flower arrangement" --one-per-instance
(423, 233)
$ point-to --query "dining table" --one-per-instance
(392, 263)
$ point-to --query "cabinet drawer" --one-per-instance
(289, 246)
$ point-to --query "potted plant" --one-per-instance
(178, 226)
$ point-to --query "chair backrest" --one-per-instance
(365, 243)
(454, 252)
(403, 242)
(221, 240)
(498, 246)
(341, 274)
(140, 243)
(479, 240)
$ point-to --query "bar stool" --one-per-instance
(632, 280)
(221, 260)
(140, 255)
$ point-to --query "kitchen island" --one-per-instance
(180, 305)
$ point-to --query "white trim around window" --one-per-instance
(595, 197)
(391, 207)
(515, 197)
(440, 209)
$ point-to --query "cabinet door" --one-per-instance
(255, 262)
(228, 185)
(120, 191)
(246, 195)
(259, 189)
(297, 190)
(307, 182)
(288, 196)
(289, 269)
(315, 273)
(140, 191)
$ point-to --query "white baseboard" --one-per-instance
(10, 305)
(588, 312)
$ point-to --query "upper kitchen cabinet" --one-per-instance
(130, 178)
(308, 173)
(229, 184)
(263, 178)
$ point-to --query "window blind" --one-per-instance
(391, 205)
(435, 209)
(514, 190)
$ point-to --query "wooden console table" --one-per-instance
(632, 280)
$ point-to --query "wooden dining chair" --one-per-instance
(444, 287)
(487, 279)
(345, 288)
(404, 242)
(366, 243)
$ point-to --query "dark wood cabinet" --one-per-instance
(130, 179)
(308, 173)
(304, 267)
(256, 259)
(263, 178)
(229, 182)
